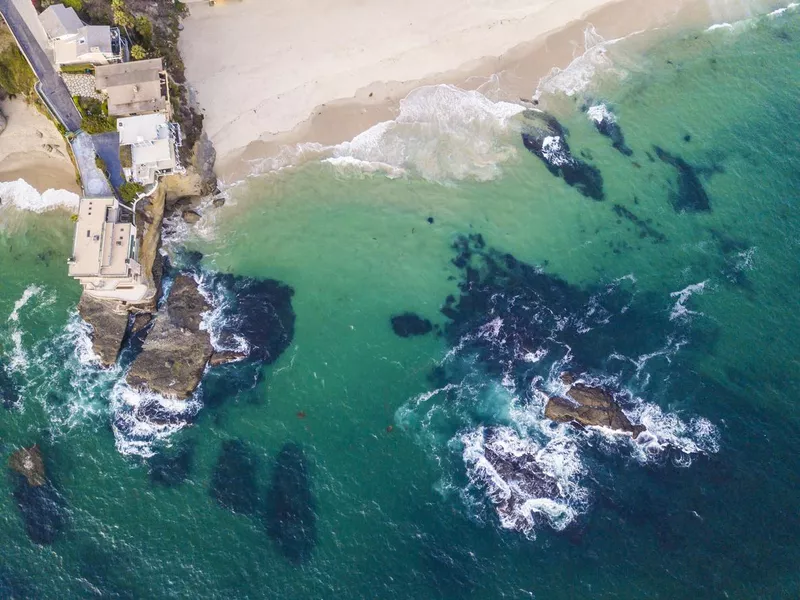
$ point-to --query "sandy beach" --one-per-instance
(31, 148)
(270, 74)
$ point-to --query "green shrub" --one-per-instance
(75, 4)
(145, 30)
(95, 115)
(16, 76)
(138, 53)
(129, 190)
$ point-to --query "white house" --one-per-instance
(104, 253)
(73, 42)
(154, 144)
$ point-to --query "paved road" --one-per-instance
(51, 86)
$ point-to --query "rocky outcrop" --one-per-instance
(176, 350)
(40, 505)
(409, 324)
(190, 216)
(108, 327)
(589, 406)
(28, 463)
(543, 135)
(224, 357)
(3, 122)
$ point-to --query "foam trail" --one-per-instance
(679, 310)
(30, 291)
(23, 196)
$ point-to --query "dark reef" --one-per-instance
(691, 195)
(171, 466)
(42, 508)
(544, 136)
(645, 230)
(233, 483)
(9, 395)
(608, 126)
(409, 324)
(290, 516)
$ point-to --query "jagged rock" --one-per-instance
(203, 158)
(543, 135)
(108, 327)
(225, 357)
(3, 122)
(409, 324)
(290, 517)
(190, 216)
(589, 406)
(218, 201)
(28, 462)
(140, 321)
(176, 350)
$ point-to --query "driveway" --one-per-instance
(51, 86)
(107, 147)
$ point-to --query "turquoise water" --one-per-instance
(693, 313)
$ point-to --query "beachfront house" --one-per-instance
(153, 145)
(73, 42)
(104, 253)
(134, 88)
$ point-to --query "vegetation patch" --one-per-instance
(94, 114)
(16, 76)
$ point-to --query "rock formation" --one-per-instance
(589, 406)
(108, 327)
(233, 483)
(606, 123)
(543, 135)
(176, 350)
(3, 122)
(28, 462)
(225, 357)
(409, 324)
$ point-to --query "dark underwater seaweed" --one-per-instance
(290, 517)
(645, 230)
(8, 389)
(42, 509)
(608, 127)
(233, 483)
(409, 324)
(691, 195)
(171, 466)
(544, 136)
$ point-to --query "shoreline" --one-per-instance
(513, 75)
(31, 148)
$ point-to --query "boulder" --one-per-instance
(108, 327)
(190, 216)
(176, 350)
(589, 406)
(543, 136)
(225, 357)
(28, 462)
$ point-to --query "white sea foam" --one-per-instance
(679, 310)
(30, 291)
(717, 26)
(23, 196)
(600, 113)
(580, 73)
(554, 152)
(441, 133)
(780, 11)
(349, 163)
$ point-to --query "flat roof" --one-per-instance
(142, 128)
(133, 87)
(59, 20)
(102, 244)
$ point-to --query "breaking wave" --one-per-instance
(21, 195)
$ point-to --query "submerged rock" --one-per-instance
(543, 135)
(691, 195)
(225, 357)
(28, 463)
(40, 505)
(507, 467)
(171, 466)
(233, 484)
(589, 406)
(108, 327)
(409, 324)
(606, 123)
(176, 350)
(290, 517)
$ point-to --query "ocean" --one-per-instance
(658, 257)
